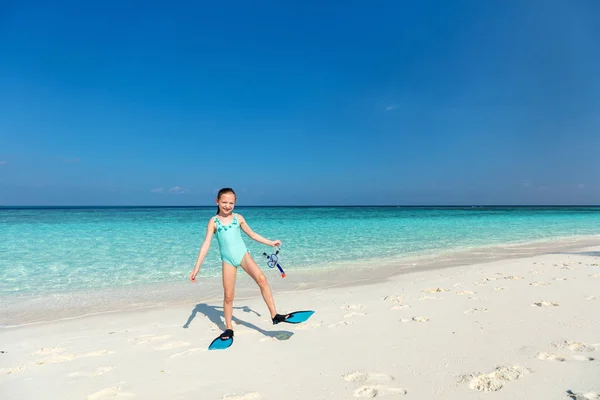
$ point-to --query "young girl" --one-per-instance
(227, 226)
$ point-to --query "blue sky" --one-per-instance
(338, 102)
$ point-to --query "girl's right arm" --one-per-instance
(210, 230)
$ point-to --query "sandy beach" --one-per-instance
(515, 328)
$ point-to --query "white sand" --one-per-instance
(526, 328)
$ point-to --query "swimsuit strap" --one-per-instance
(225, 227)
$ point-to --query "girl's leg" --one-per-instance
(229, 274)
(249, 265)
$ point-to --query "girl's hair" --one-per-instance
(222, 192)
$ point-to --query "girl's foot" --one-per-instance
(227, 334)
(279, 318)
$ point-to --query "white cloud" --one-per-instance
(392, 107)
(178, 190)
(174, 190)
(3, 162)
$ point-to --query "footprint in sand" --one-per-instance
(172, 345)
(13, 370)
(539, 284)
(397, 300)
(415, 319)
(112, 392)
(369, 391)
(536, 271)
(498, 289)
(375, 377)
(245, 396)
(475, 310)
(349, 307)
(550, 357)
(341, 323)
(562, 278)
(97, 372)
(465, 293)
(556, 357)
(595, 275)
(373, 384)
(435, 290)
(575, 346)
(44, 351)
(593, 298)
(514, 278)
(583, 396)
(354, 314)
(544, 304)
(394, 299)
(58, 356)
(495, 380)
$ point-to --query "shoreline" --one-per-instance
(33, 310)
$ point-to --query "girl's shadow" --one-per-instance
(214, 316)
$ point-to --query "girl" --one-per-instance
(227, 226)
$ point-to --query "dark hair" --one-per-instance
(222, 192)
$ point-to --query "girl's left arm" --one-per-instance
(255, 236)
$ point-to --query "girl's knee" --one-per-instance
(261, 280)
(228, 298)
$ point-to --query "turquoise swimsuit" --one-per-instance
(232, 246)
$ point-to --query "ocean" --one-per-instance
(57, 251)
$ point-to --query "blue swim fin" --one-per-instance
(221, 344)
(295, 317)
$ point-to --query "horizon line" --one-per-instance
(296, 206)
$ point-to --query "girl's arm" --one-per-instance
(210, 230)
(255, 236)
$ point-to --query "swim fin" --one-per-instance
(221, 344)
(295, 317)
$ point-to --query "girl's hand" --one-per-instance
(276, 243)
(193, 276)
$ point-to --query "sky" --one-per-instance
(300, 102)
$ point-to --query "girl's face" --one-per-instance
(226, 203)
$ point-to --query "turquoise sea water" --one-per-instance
(54, 251)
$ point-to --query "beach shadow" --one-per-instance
(214, 313)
